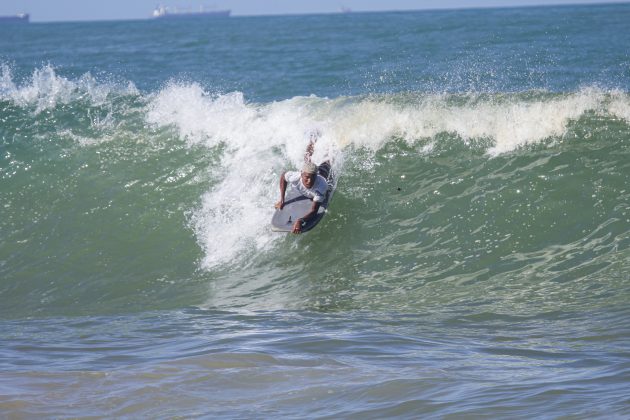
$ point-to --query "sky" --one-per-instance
(86, 10)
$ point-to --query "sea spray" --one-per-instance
(46, 89)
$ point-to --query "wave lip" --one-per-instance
(507, 121)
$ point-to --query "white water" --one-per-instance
(260, 141)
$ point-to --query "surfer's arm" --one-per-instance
(283, 190)
(297, 227)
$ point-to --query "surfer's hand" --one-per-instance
(279, 205)
(297, 226)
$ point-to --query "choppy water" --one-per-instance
(475, 260)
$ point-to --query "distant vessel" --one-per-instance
(162, 12)
(19, 18)
(346, 9)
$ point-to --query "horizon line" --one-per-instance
(353, 11)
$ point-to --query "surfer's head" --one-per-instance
(309, 172)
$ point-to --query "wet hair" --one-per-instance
(309, 168)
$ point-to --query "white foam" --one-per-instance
(46, 89)
(262, 140)
(620, 105)
(509, 123)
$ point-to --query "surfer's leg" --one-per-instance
(309, 151)
(312, 139)
(324, 169)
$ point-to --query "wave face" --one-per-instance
(112, 196)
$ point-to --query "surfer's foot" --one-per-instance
(313, 137)
(309, 151)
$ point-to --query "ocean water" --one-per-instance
(475, 260)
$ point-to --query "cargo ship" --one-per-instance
(19, 18)
(162, 12)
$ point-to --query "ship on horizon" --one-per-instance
(162, 12)
(19, 18)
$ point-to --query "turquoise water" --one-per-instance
(474, 262)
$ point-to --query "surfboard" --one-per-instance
(296, 205)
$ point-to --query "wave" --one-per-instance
(259, 141)
(435, 191)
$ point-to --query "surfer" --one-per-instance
(310, 185)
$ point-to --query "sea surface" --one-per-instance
(474, 262)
